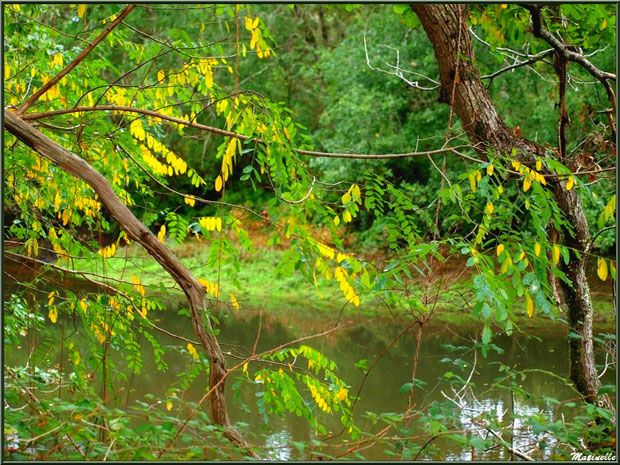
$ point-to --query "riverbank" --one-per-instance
(256, 284)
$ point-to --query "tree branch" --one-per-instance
(19, 258)
(136, 230)
(532, 59)
(76, 61)
(223, 132)
(569, 55)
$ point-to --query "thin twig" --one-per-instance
(76, 61)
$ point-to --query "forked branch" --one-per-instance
(568, 53)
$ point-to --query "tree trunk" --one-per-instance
(577, 298)
(76, 166)
(472, 104)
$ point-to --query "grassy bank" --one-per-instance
(256, 285)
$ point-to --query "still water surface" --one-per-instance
(542, 349)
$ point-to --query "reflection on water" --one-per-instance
(519, 436)
(380, 391)
(278, 445)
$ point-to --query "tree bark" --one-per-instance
(136, 230)
(486, 129)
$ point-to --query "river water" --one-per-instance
(542, 349)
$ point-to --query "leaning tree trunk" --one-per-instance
(446, 28)
(136, 230)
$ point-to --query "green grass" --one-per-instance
(256, 285)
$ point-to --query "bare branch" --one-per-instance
(532, 59)
(398, 72)
(569, 54)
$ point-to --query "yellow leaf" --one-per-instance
(541, 179)
(336, 220)
(489, 208)
(604, 25)
(569, 183)
(602, 269)
(346, 198)
(81, 10)
(189, 200)
(505, 264)
(538, 165)
(556, 254)
(209, 77)
(192, 350)
(245, 367)
(478, 176)
(161, 75)
(537, 249)
(137, 130)
(527, 182)
(235, 302)
(137, 285)
(529, 305)
(500, 249)
(347, 217)
(218, 184)
(53, 315)
(162, 233)
(78, 417)
(472, 182)
(248, 23)
(168, 405)
(218, 224)
(490, 169)
(66, 216)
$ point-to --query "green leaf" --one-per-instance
(478, 443)
(486, 335)
(606, 389)
(405, 388)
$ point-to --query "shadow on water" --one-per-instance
(543, 351)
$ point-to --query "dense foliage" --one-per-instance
(209, 120)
